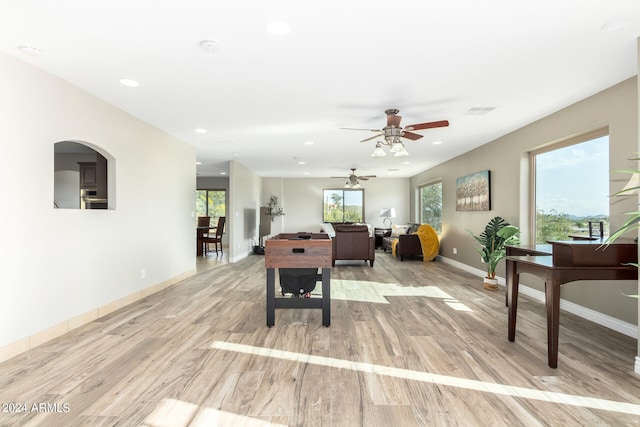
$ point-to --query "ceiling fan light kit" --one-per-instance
(396, 147)
(392, 133)
(353, 180)
(401, 151)
(378, 151)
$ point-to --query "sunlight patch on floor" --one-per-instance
(376, 292)
(444, 380)
(456, 305)
(177, 413)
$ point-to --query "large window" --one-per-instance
(431, 205)
(571, 187)
(211, 203)
(343, 205)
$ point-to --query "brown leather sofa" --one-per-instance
(408, 244)
(353, 242)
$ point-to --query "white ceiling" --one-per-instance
(262, 96)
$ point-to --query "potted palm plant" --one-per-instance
(633, 222)
(493, 240)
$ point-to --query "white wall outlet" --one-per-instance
(143, 273)
(455, 251)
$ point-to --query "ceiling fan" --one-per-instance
(392, 133)
(353, 180)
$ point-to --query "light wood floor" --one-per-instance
(410, 344)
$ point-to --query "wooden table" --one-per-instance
(288, 250)
(559, 263)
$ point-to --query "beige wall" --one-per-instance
(617, 108)
(243, 210)
(301, 199)
(64, 267)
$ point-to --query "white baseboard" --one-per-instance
(607, 321)
(637, 366)
(240, 257)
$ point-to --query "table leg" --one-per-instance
(506, 290)
(271, 297)
(326, 297)
(513, 278)
(199, 236)
(552, 301)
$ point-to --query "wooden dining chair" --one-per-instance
(204, 221)
(217, 238)
(203, 229)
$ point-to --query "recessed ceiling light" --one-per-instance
(308, 143)
(437, 142)
(129, 82)
(223, 173)
(201, 130)
(210, 46)
(198, 163)
(278, 28)
(30, 50)
(301, 162)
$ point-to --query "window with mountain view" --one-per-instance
(341, 205)
(571, 182)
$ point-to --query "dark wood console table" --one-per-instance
(293, 250)
(379, 234)
(563, 262)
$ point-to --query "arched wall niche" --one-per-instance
(84, 176)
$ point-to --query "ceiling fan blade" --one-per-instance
(340, 177)
(363, 178)
(368, 176)
(373, 137)
(412, 136)
(370, 130)
(429, 125)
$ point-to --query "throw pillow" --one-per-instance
(413, 228)
(397, 230)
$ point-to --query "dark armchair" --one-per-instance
(409, 244)
(353, 242)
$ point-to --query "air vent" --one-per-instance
(479, 111)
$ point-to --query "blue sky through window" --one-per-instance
(574, 180)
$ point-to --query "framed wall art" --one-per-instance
(473, 192)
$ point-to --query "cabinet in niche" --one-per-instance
(89, 188)
(88, 175)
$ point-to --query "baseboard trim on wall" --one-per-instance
(605, 320)
(240, 257)
(33, 341)
(637, 366)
